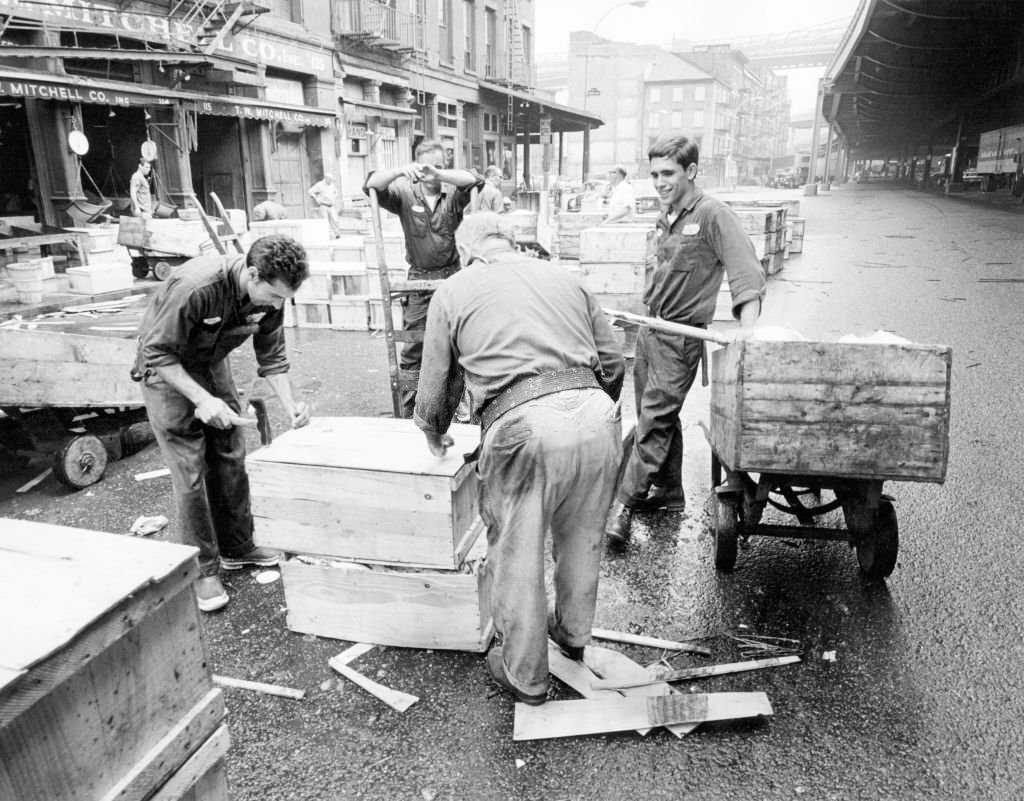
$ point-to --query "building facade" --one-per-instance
(258, 101)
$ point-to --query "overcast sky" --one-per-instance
(696, 20)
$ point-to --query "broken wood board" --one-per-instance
(366, 490)
(259, 687)
(350, 655)
(702, 672)
(611, 664)
(395, 699)
(56, 368)
(649, 642)
(875, 411)
(600, 716)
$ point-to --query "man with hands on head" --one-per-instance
(208, 307)
(430, 202)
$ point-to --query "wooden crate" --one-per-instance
(350, 313)
(350, 279)
(313, 314)
(105, 689)
(365, 489)
(377, 313)
(318, 285)
(289, 314)
(373, 278)
(406, 608)
(755, 221)
(618, 242)
(863, 410)
(394, 252)
(568, 227)
(348, 248)
(612, 277)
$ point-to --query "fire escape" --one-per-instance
(214, 20)
(375, 24)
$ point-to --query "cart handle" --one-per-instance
(658, 324)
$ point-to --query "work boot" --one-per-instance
(574, 652)
(210, 594)
(496, 666)
(665, 499)
(617, 525)
(256, 557)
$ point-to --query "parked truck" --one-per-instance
(999, 159)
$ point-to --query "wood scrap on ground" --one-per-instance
(650, 642)
(395, 699)
(259, 686)
(599, 716)
(33, 482)
(351, 654)
(701, 672)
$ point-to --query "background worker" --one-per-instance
(208, 307)
(139, 191)
(429, 215)
(544, 371)
(325, 194)
(490, 197)
(698, 238)
(621, 201)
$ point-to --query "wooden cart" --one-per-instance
(159, 245)
(811, 427)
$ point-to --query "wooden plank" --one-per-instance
(612, 277)
(611, 664)
(352, 653)
(171, 752)
(198, 766)
(395, 699)
(579, 677)
(701, 672)
(211, 786)
(259, 687)
(412, 609)
(614, 243)
(650, 642)
(599, 716)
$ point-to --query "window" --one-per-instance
(677, 94)
(655, 94)
(285, 9)
(491, 123)
(677, 120)
(470, 16)
(490, 42)
(448, 115)
(654, 120)
(528, 47)
(698, 93)
(444, 15)
(698, 119)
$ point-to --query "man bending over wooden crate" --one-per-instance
(543, 372)
(208, 307)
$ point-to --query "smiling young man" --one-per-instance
(429, 214)
(698, 240)
(208, 307)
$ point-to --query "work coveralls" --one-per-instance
(693, 251)
(196, 318)
(549, 463)
(430, 252)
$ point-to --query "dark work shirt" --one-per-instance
(199, 315)
(501, 322)
(692, 253)
(429, 235)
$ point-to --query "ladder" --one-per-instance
(400, 380)
(220, 240)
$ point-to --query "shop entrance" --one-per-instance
(217, 163)
(115, 138)
(289, 172)
(18, 193)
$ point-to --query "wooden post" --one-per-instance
(828, 154)
(561, 152)
(954, 166)
(812, 168)
(586, 152)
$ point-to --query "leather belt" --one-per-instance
(537, 386)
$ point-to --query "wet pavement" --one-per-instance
(923, 698)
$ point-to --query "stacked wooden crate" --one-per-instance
(795, 234)
(569, 225)
(105, 688)
(109, 264)
(767, 230)
(384, 538)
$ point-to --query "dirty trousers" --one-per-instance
(549, 463)
(211, 488)
(414, 317)
(663, 372)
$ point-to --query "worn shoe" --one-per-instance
(256, 557)
(574, 652)
(496, 665)
(617, 525)
(665, 499)
(210, 594)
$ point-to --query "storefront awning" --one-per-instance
(168, 57)
(75, 89)
(564, 119)
(377, 109)
(251, 109)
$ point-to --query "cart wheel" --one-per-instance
(161, 270)
(80, 462)
(726, 522)
(876, 554)
(140, 266)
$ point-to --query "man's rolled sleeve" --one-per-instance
(269, 345)
(742, 267)
(613, 366)
(387, 198)
(440, 383)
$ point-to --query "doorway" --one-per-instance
(18, 186)
(289, 172)
(217, 163)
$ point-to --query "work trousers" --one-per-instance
(414, 318)
(547, 464)
(663, 372)
(211, 487)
